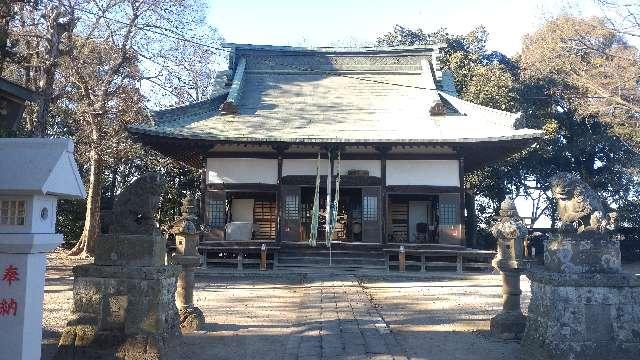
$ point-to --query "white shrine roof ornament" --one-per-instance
(35, 166)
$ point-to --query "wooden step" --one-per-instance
(335, 260)
(314, 268)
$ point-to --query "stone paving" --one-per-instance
(339, 321)
(270, 316)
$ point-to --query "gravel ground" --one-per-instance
(306, 317)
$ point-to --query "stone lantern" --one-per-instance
(187, 237)
(34, 174)
(510, 232)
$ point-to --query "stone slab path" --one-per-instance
(326, 317)
(339, 321)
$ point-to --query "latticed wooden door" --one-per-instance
(264, 218)
(371, 214)
(291, 213)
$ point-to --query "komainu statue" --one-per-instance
(579, 207)
(135, 207)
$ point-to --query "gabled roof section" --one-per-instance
(16, 90)
(293, 94)
(39, 166)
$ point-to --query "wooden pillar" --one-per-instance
(384, 199)
(461, 205)
(279, 210)
(383, 193)
(203, 191)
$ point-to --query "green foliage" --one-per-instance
(180, 181)
(576, 137)
(591, 67)
(70, 219)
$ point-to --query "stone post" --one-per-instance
(401, 259)
(510, 232)
(263, 257)
(187, 237)
(34, 174)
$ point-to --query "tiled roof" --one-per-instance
(312, 95)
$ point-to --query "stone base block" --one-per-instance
(84, 342)
(121, 313)
(508, 325)
(586, 252)
(130, 250)
(583, 316)
(191, 319)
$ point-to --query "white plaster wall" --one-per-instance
(308, 166)
(242, 210)
(423, 172)
(373, 166)
(303, 166)
(223, 170)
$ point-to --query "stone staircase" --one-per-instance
(345, 258)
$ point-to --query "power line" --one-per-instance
(182, 37)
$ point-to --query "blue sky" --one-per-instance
(357, 22)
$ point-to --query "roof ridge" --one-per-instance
(213, 97)
(363, 49)
(478, 106)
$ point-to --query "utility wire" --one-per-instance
(170, 33)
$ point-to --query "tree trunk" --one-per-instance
(87, 244)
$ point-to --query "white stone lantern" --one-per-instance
(34, 174)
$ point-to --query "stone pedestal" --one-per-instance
(510, 233)
(584, 253)
(509, 323)
(122, 311)
(581, 306)
(191, 317)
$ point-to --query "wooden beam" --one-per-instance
(421, 189)
(345, 180)
(230, 106)
(313, 156)
(255, 187)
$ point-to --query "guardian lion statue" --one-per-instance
(135, 207)
(579, 207)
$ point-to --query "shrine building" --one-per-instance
(392, 116)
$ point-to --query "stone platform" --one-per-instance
(583, 316)
(121, 313)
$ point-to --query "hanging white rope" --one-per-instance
(327, 225)
(334, 205)
(315, 212)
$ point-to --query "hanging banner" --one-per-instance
(327, 225)
(334, 205)
(315, 212)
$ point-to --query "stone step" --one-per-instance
(336, 260)
(315, 268)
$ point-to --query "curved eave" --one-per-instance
(190, 149)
